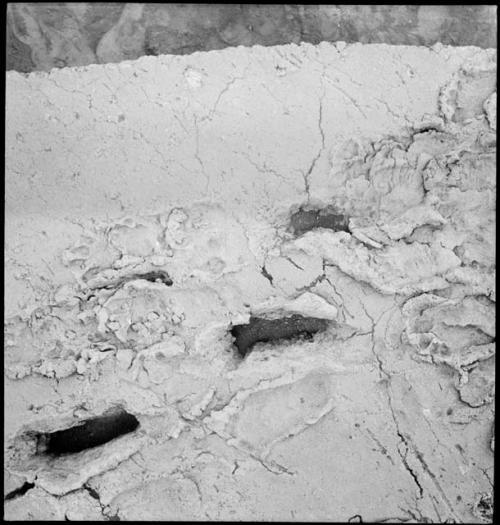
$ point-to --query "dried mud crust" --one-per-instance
(374, 240)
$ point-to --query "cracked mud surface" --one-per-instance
(150, 209)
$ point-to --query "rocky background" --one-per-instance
(41, 36)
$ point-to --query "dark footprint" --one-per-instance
(265, 330)
(303, 221)
(88, 434)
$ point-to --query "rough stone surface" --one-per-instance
(148, 211)
(42, 35)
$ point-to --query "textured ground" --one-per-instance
(41, 36)
(154, 205)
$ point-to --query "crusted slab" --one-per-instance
(152, 206)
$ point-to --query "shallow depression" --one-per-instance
(88, 434)
(265, 330)
(303, 220)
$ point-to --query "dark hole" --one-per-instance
(303, 221)
(19, 491)
(155, 276)
(265, 330)
(427, 129)
(88, 434)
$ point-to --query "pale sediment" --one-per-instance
(152, 206)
